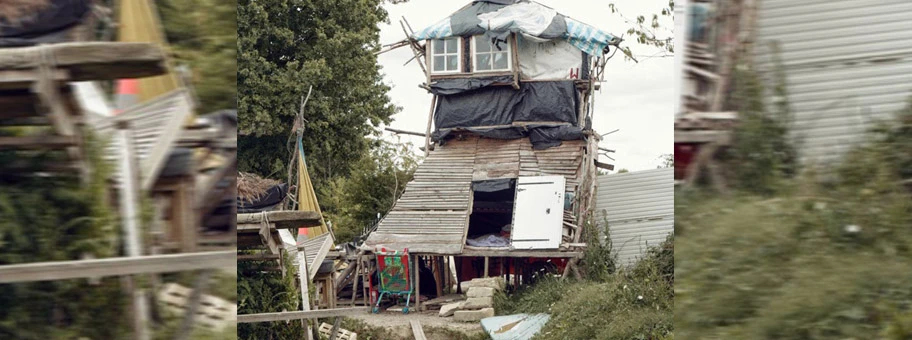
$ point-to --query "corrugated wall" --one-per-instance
(848, 63)
(639, 209)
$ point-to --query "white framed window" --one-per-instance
(445, 55)
(486, 57)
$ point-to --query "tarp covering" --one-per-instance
(541, 136)
(550, 60)
(273, 197)
(47, 26)
(493, 185)
(459, 85)
(497, 106)
(496, 19)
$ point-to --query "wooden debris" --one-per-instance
(341, 334)
(417, 331)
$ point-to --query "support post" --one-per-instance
(357, 275)
(427, 135)
(486, 266)
(202, 281)
(417, 274)
(304, 277)
(129, 206)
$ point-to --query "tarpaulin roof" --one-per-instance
(498, 17)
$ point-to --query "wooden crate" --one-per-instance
(341, 334)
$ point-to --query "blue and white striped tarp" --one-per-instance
(584, 37)
(587, 38)
(440, 30)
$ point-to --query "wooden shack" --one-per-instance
(509, 177)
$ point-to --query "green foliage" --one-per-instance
(632, 303)
(762, 153)
(830, 262)
(203, 36)
(287, 46)
(651, 33)
(45, 219)
(599, 261)
(268, 292)
(375, 182)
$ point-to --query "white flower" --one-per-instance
(639, 297)
(852, 228)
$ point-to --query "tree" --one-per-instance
(203, 35)
(58, 219)
(287, 46)
(651, 34)
(667, 161)
(375, 183)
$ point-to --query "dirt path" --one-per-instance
(399, 323)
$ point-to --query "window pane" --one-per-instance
(452, 63)
(500, 61)
(482, 44)
(438, 46)
(451, 45)
(439, 63)
(483, 62)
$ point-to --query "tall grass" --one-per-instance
(807, 260)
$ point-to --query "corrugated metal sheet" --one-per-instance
(155, 127)
(432, 215)
(848, 64)
(639, 210)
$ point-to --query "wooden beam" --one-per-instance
(258, 257)
(299, 315)
(404, 132)
(64, 270)
(417, 331)
(605, 166)
(37, 142)
(520, 253)
(90, 60)
(286, 219)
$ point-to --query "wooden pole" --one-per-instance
(486, 265)
(417, 274)
(438, 274)
(202, 281)
(304, 277)
(427, 135)
(356, 274)
(129, 209)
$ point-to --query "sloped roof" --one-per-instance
(497, 18)
(432, 215)
(155, 128)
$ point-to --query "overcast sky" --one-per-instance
(635, 98)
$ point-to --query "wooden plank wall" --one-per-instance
(431, 217)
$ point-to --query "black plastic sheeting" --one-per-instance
(541, 136)
(273, 197)
(180, 163)
(451, 86)
(502, 105)
(494, 185)
(47, 26)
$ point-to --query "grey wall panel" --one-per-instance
(848, 65)
(638, 208)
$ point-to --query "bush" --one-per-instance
(630, 303)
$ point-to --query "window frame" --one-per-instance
(474, 56)
(431, 55)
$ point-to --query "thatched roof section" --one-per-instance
(13, 10)
(251, 187)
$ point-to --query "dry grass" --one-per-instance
(14, 10)
(251, 187)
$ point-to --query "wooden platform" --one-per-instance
(80, 61)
